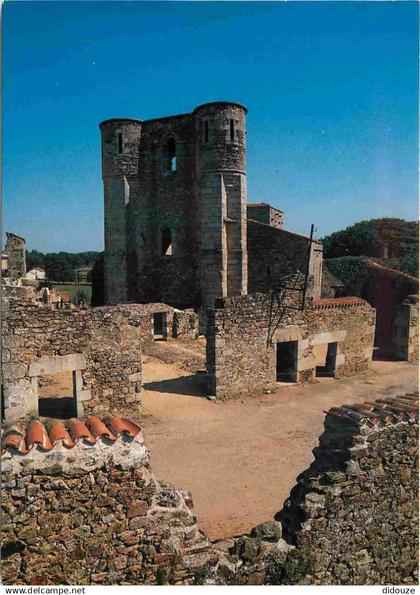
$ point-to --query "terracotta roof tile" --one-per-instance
(58, 432)
(37, 434)
(14, 441)
(68, 433)
(79, 431)
(342, 302)
(382, 411)
(123, 426)
(99, 429)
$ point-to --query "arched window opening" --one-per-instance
(171, 154)
(166, 242)
(206, 131)
(120, 143)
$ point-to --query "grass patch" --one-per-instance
(85, 292)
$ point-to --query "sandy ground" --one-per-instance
(56, 396)
(56, 385)
(240, 459)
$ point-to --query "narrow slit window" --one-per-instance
(232, 130)
(206, 131)
(120, 143)
(171, 154)
(166, 242)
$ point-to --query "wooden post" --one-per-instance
(308, 261)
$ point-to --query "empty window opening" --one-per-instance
(206, 131)
(268, 273)
(160, 326)
(286, 361)
(57, 395)
(232, 129)
(120, 143)
(171, 154)
(326, 356)
(167, 248)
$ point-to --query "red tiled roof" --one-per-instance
(381, 412)
(36, 434)
(340, 302)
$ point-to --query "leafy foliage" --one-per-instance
(369, 238)
(351, 270)
(59, 266)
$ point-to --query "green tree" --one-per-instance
(60, 266)
(369, 238)
(34, 259)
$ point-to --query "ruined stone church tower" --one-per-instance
(175, 207)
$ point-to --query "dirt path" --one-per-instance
(241, 459)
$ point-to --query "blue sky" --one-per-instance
(331, 88)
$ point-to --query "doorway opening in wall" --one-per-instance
(286, 361)
(326, 360)
(160, 326)
(57, 395)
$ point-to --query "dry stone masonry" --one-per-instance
(81, 506)
(353, 515)
(406, 330)
(351, 519)
(16, 256)
(245, 341)
(101, 347)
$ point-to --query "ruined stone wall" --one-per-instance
(103, 520)
(101, 347)
(352, 518)
(243, 332)
(406, 330)
(185, 324)
(353, 515)
(274, 253)
(16, 253)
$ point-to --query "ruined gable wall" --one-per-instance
(273, 253)
(242, 336)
